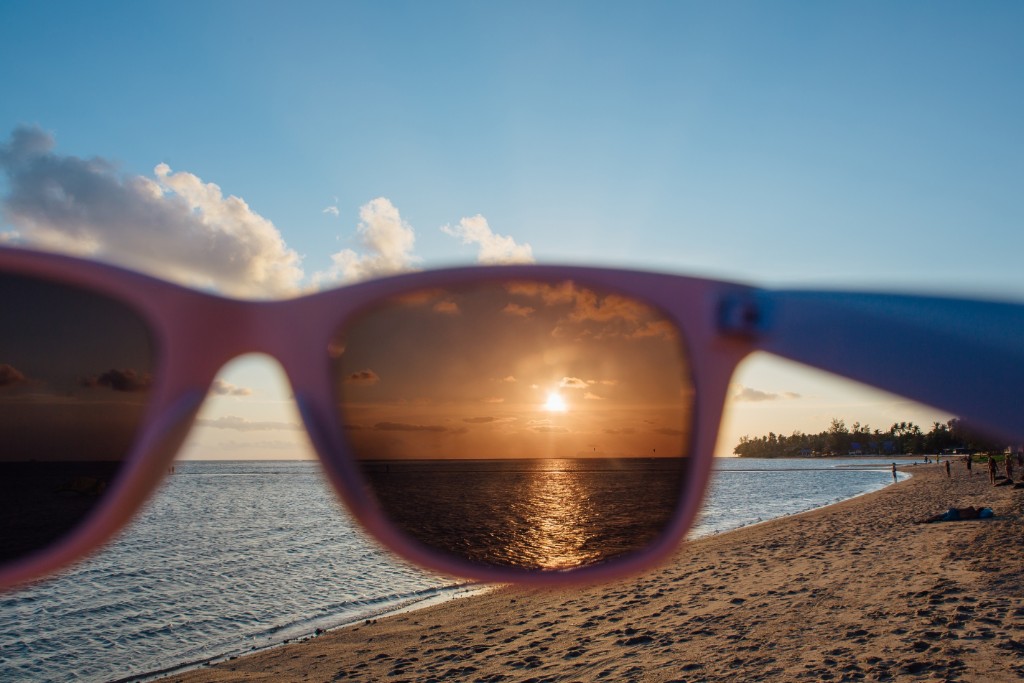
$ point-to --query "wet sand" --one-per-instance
(854, 591)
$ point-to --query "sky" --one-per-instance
(261, 151)
(511, 370)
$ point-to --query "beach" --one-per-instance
(852, 591)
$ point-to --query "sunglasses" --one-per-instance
(537, 424)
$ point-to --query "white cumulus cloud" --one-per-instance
(173, 225)
(387, 242)
(491, 248)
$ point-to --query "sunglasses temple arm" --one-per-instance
(964, 357)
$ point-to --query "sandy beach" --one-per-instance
(854, 591)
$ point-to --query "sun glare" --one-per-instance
(555, 403)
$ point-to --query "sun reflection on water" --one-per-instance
(556, 510)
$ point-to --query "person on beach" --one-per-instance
(948, 475)
(970, 460)
(992, 470)
(953, 515)
(894, 471)
(1009, 468)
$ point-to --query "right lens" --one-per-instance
(523, 424)
(75, 373)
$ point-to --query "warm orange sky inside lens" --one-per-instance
(513, 370)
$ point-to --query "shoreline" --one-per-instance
(465, 589)
(436, 596)
(850, 591)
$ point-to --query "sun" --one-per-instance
(555, 403)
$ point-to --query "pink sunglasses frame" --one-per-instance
(925, 341)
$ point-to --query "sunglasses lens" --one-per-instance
(75, 368)
(536, 425)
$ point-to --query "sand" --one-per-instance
(854, 591)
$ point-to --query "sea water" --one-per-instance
(233, 556)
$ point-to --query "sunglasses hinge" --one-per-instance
(742, 314)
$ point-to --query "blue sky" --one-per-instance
(869, 145)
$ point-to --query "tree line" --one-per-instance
(902, 438)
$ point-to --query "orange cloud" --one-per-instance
(517, 310)
(561, 293)
(656, 328)
(10, 375)
(363, 377)
(447, 307)
(404, 427)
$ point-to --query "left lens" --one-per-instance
(526, 424)
(75, 370)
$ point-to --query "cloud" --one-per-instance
(387, 241)
(222, 388)
(623, 430)
(550, 295)
(572, 383)
(510, 379)
(249, 446)
(493, 399)
(550, 430)
(743, 393)
(447, 308)
(517, 310)
(656, 328)
(479, 420)
(592, 396)
(332, 209)
(120, 380)
(179, 227)
(363, 377)
(614, 314)
(492, 248)
(242, 424)
(10, 375)
(172, 224)
(404, 427)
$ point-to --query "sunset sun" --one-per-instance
(555, 403)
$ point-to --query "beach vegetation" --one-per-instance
(901, 438)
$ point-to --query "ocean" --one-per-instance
(233, 556)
